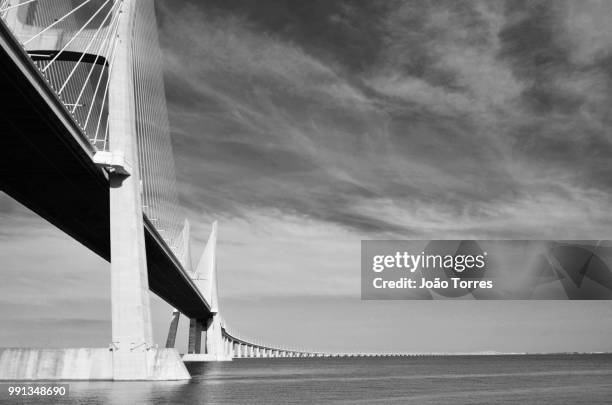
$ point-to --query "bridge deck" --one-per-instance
(46, 164)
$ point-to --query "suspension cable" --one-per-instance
(16, 5)
(105, 44)
(56, 22)
(75, 36)
(91, 41)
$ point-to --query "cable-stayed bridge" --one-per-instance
(87, 147)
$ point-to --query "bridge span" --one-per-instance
(87, 147)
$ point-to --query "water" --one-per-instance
(541, 379)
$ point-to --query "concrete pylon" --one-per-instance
(195, 337)
(132, 336)
(205, 277)
(171, 339)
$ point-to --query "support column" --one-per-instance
(204, 337)
(195, 336)
(132, 334)
(170, 341)
(216, 344)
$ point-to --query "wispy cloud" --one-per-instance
(475, 117)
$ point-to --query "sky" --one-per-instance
(305, 127)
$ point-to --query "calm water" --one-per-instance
(546, 379)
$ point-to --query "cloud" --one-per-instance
(434, 120)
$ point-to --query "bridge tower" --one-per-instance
(205, 278)
(135, 118)
(132, 334)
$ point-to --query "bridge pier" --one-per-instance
(195, 336)
(132, 334)
(214, 347)
(171, 340)
(205, 278)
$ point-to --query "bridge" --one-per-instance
(87, 147)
